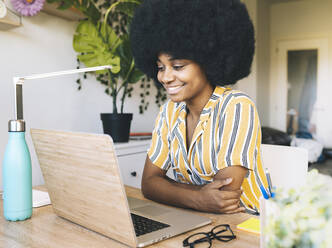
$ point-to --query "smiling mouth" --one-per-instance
(171, 90)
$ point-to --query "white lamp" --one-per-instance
(16, 169)
(19, 81)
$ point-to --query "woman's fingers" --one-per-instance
(234, 194)
(212, 199)
(235, 210)
(230, 208)
(219, 183)
(231, 202)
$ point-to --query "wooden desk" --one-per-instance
(45, 229)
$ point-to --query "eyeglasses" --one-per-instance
(222, 233)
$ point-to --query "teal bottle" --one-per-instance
(17, 175)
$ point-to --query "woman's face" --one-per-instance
(183, 79)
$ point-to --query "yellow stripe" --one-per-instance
(255, 188)
(155, 138)
(172, 114)
(247, 190)
(163, 153)
(246, 201)
(260, 168)
(242, 135)
(225, 140)
(252, 144)
(206, 146)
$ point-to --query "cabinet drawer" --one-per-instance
(131, 167)
(124, 149)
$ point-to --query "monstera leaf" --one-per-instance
(97, 45)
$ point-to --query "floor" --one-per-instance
(324, 168)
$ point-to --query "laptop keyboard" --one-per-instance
(144, 225)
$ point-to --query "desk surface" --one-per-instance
(45, 229)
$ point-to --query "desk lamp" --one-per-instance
(16, 169)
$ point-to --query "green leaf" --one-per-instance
(125, 6)
(128, 7)
(124, 52)
(110, 37)
(135, 76)
(85, 2)
(65, 4)
(92, 12)
(94, 50)
(125, 49)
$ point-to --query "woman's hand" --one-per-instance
(213, 199)
(220, 196)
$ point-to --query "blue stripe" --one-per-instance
(234, 133)
(181, 142)
(159, 140)
(225, 103)
(220, 133)
(200, 157)
(198, 180)
(193, 153)
(241, 94)
(184, 153)
(246, 146)
(212, 138)
(205, 111)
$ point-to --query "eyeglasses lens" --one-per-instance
(223, 233)
(199, 240)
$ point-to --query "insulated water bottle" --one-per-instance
(17, 175)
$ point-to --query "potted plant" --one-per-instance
(98, 44)
(103, 39)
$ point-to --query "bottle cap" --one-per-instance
(16, 126)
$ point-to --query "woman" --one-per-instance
(207, 134)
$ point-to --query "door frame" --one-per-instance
(278, 80)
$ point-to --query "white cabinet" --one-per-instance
(131, 157)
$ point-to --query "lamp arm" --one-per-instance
(61, 73)
(19, 81)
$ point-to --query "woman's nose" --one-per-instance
(167, 76)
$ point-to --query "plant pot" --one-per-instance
(117, 126)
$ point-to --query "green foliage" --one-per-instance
(128, 70)
(301, 217)
(87, 7)
(90, 43)
(103, 39)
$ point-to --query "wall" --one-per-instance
(303, 20)
(263, 60)
(256, 85)
(44, 44)
(248, 84)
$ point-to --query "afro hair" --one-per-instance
(216, 34)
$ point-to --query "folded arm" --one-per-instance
(220, 196)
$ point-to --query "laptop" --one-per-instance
(82, 176)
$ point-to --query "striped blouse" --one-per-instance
(228, 133)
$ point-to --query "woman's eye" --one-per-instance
(178, 67)
(160, 68)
